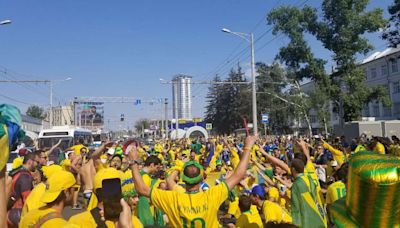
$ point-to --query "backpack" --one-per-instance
(15, 201)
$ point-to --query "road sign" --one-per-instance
(208, 126)
(265, 118)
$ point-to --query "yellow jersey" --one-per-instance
(379, 148)
(33, 217)
(274, 213)
(233, 208)
(309, 169)
(85, 219)
(198, 209)
(136, 222)
(335, 191)
(249, 219)
(337, 154)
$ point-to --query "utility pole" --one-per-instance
(166, 116)
(50, 82)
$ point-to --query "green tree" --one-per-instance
(142, 124)
(228, 102)
(392, 30)
(340, 30)
(36, 112)
(269, 86)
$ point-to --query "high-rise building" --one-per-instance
(182, 97)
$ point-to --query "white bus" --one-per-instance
(70, 135)
(99, 137)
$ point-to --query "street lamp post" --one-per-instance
(51, 97)
(249, 38)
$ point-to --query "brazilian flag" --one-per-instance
(306, 211)
(10, 131)
(144, 212)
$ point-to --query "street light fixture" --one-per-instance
(249, 38)
(5, 22)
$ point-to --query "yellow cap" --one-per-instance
(48, 171)
(273, 193)
(56, 184)
(17, 162)
(66, 163)
(105, 174)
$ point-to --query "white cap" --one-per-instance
(334, 163)
(111, 151)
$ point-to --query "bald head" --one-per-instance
(191, 171)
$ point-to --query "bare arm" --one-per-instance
(99, 151)
(53, 148)
(240, 170)
(304, 148)
(171, 179)
(275, 160)
(3, 198)
(140, 186)
(287, 184)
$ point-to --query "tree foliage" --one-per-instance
(228, 102)
(340, 29)
(36, 112)
(142, 124)
(270, 86)
(392, 30)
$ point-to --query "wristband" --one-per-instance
(247, 148)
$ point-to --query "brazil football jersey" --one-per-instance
(191, 209)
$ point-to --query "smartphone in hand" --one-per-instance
(112, 195)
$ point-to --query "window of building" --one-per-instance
(396, 87)
(394, 65)
(366, 111)
(384, 70)
(375, 110)
(396, 107)
(387, 111)
(313, 118)
(373, 72)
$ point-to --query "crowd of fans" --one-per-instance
(272, 181)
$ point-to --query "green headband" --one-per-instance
(128, 194)
(192, 180)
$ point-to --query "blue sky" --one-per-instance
(122, 48)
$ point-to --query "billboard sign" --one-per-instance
(89, 114)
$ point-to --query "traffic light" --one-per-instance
(122, 117)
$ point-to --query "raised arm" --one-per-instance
(99, 151)
(275, 160)
(53, 147)
(330, 148)
(240, 170)
(266, 178)
(171, 179)
(140, 186)
(304, 148)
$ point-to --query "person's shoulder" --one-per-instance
(56, 222)
(81, 217)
